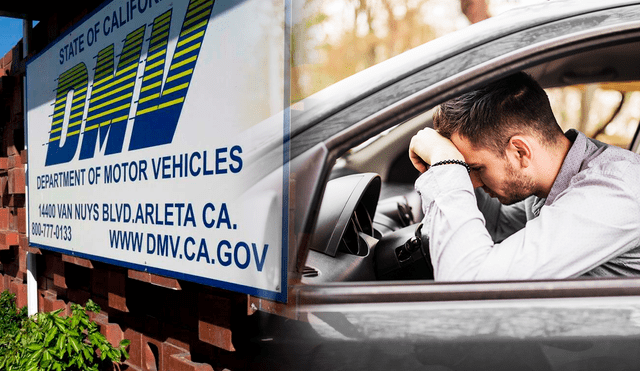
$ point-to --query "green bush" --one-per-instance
(48, 341)
(11, 320)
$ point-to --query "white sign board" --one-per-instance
(137, 122)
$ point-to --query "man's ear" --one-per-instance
(520, 148)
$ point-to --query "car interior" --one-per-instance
(369, 224)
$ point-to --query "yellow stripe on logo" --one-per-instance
(191, 38)
(195, 8)
(126, 69)
(159, 36)
(129, 76)
(187, 50)
(151, 86)
(150, 97)
(171, 103)
(111, 92)
(179, 75)
(158, 46)
(146, 110)
(111, 101)
(158, 54)
(148, 77)
(151, 66)
(91, 127)
(119, 108)
(183, 62)
(80, 98)
(190, 30)
(176, 88)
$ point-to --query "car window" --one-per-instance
(609, 112)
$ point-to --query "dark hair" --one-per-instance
(489, 116)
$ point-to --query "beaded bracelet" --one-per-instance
(459, 162)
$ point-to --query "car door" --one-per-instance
(420, 324)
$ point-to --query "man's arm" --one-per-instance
(569, 238)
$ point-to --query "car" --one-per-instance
(361, 293)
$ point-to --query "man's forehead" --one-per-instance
(473, 154)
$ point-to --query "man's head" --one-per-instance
(506, 131)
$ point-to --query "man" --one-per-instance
(568, 205)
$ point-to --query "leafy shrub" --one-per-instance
(48, 341)
(10, 320)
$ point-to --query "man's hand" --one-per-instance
(428, 147)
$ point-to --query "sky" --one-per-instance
(10, 34)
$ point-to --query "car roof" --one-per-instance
(336, 97)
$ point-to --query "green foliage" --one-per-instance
(49, 341)
(10, 319)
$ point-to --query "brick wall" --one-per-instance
(172, 325)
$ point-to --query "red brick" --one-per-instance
(54, 270)
(59, 280)
(15, 161)
(20, 290)
(149, 359)
(11, 148)
(4, 163)
(50, 303)
(22, 258)
(139, 276)
(24, 245)
(4, 218)
(53, 265)
(215, 335)
(16, 181)
(60, 304)
(214, 325)
(23, 156)
(6, 60)
(77, 261)
(21, 214)
(135, 349)
(170, 283)
(180, 362)
(177, 335)
(4, 188)
(8, 238)
(117, 298)
(113, 333)
(6, 282)
(45, 304)
(33, 250)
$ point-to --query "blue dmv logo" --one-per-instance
(159, 102)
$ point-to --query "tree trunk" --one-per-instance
(474, 10)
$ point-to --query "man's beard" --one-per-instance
(517, 186)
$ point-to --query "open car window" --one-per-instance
(609, 112)
(370, 215)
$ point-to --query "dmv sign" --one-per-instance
(160, 98)
(139, 129)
